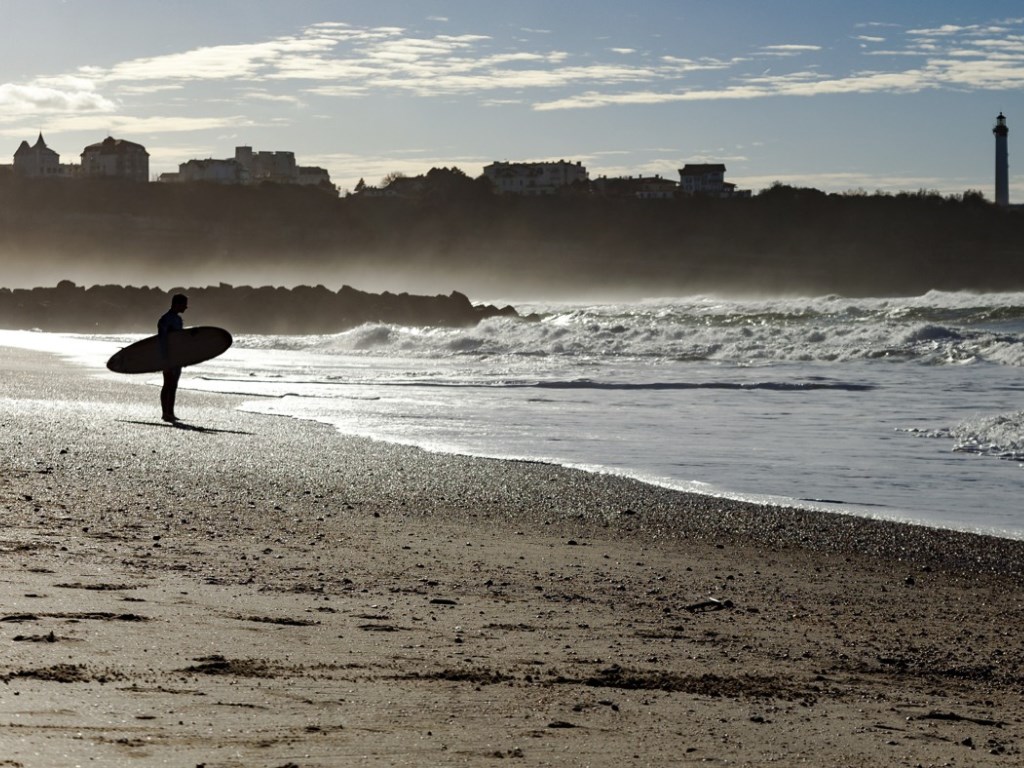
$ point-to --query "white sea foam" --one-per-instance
(936, 329)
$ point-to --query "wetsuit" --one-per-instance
(169, 322)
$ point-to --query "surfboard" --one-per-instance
(186, 347)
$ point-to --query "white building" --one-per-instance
(281, 168)
(212, 171)
(642, 187)
(545, 178)
(116, 158)
(278, 167)
(249, 167)
(707, 179)
(702, 179)
(37, 161)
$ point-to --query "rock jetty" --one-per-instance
(70, 308)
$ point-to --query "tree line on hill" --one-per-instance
(783, 240)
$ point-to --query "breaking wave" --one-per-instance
(935, 329)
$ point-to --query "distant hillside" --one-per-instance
(783, 240)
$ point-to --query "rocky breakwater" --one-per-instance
(70, 308)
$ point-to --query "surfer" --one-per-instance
(169, 322)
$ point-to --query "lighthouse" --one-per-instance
(1002, 162)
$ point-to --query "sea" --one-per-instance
(907, 409)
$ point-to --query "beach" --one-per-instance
(256, 590)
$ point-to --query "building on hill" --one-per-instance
(36, 161)
(707, 179)
(116, 158)
(279, 167)
(213, 171)
(40, 162)
(545, 178)
(249, 167)
(642, 187)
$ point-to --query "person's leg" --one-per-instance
(168, 393)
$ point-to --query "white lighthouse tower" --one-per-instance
(1002, 162)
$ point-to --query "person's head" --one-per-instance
(179, 302)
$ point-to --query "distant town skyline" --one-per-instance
(823, 93)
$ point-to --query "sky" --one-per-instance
(892, 96)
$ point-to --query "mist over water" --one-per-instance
(580, 247)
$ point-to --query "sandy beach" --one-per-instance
(248, 590)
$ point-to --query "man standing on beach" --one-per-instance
(169, 322)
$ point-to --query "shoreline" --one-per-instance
(772, 522)
(266, 590)
(895, 495)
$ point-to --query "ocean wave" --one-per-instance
(936, 329)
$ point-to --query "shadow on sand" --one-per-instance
(187, 427)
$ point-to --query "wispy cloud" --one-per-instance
(977, 57)
(334, 60)
(223, 62)
(788, 49)
(277, 98)
(139, 125)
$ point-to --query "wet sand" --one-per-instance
(250, 590)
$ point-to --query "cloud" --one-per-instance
(148, 89)
(389, 59)
(334, 60)
(676, 65)
(501, 102)
(795, 84)
(957, 57)
(138, 125)
(337, 91)
(945, 30)
(24, 100)
(279, 98)
(788, 50)
(224, 62)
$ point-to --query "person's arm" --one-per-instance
(162, 330)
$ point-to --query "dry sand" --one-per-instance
(258, 591)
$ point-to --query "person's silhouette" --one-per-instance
(168, 323)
